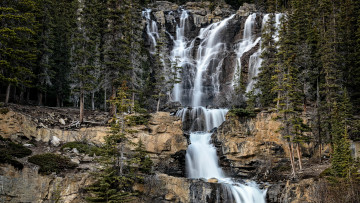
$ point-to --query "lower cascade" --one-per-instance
(202, 160)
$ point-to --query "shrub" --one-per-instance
(83, 148)
(133, 120)
(4, 111)
(240, 112)
(52, 163)
(10, 150)
(17, 150)
(7, 159)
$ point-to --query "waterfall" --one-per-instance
(246, 44)
(201, 118)
(180, 55)
(207, 55)
(151, 30)
(202, 161)
(198, 89)
(255, 59)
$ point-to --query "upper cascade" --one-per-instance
(215, 57)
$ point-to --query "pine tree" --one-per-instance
(85, 60)
(44, 68)
(17, 42)
(341, 161)
(265, 79)
(289, 90)
(64, 28)
(117, 176)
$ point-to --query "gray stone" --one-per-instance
(55, 141)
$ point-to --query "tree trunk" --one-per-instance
(112, 105)
(133, 103)
(298, 150)
(104, 99)
(22, 93)
(15, 100)
(93, 101)
(45, 98)
(28, 96)
(40, 98)
(121, 158)
(292, 159)
(81, 106)
(7, 94)
(158, 103)
(58, 103)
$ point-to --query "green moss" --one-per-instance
(240, 112)
(133, 120)
(4, 110)
(52, 163)
(83, 148)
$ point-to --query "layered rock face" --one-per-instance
(249, 147)
(29, 186)
(163, 139)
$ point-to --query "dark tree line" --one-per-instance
(314, 67)
(68, 52)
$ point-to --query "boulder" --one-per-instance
(55, 141)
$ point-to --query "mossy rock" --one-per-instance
(52, 163)
(83, 148)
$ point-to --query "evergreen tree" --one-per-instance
(17, 43)
(341, 161)
(85, 58)
(64, 15)
(265, 80)
(117, 176)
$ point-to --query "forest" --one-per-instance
(91, 54)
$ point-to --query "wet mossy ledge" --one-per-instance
(50, 163)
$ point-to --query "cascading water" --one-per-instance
(207, 55)
(201, 156)
(255, 59)
(202, 160)
(247, 43)
(198, 89)
(151, 29)
(180, 53)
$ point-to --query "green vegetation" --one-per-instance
(52, 163)
(240, 112)
(4, 110)
(83, 148)
(117, 173)
(133, 120)
(10, 150)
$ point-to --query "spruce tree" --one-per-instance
(17, 43)
(265, 80)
